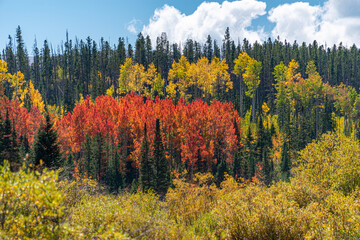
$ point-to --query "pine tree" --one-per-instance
(140, 51)
(208, 49)
(87, 164)
(161, 165)
(96, 158)
(147, 172)
(114, 175)
(9, 147)
(46, 146)
(237, 156)
(222, 168)
(21, 55)
(263, 152)
(285, 161)
(249, 154)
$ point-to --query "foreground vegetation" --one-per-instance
(321, 201)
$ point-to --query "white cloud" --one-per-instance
(334, 22)
(133, 26)
(210, 18)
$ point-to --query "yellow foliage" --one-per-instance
(15, 81)
(134, 78)
(188, 201)
(110, 91)
(200, 79)
(31, 205)
(34, 97)
(332, 162)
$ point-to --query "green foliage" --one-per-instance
(31, 205)
(161, 164)
(9, 149)
(147, 171)
(332, 162)
(46, 147)
(126, 216)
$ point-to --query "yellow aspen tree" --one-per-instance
(124, 78)
(220, 78)
(34, 97)
(179, 82)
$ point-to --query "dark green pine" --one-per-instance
(161, 164)
(9, 147)
(147, 173)
(285, 161)
(46, 146)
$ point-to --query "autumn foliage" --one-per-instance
(25, 122)
(193, 128)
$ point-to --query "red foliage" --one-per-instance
(190, 128)
(26, 123)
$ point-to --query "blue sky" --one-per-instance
(324, 20)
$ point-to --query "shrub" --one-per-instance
(31, 205)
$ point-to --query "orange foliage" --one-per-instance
(26, 123)
(192, 128)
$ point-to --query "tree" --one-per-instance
(46, 146)
(21, 55)
(285, 161)
(8, 143)
(147, 171)
(252, 81)
(140, 51)
(161, 164)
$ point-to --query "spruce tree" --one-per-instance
(161, 165)
(147, 173)
(46, 146)
(96, 157)
(285, 161)
(263, 151)
(222, 168)
(237, 156)
(21, 55)
(87, 164)
(114, 176)
(250, 154)
(9, 146)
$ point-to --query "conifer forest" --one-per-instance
(159, 140)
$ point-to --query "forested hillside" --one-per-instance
(225, 122)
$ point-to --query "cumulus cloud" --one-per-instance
(334, 22)
(210, 18)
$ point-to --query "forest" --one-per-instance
(213, 140)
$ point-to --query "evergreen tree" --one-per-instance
(148, 51)
(208, 49)
(263, 151)
(249, 154)
(140, 51)
(216, 50)
(21, 55)
(9, 146)
(88, 167)
(97, 152)
(114, 176)
(237, 168)
(130, 52)
(285, 161)
(46, 146)
(147, 171)
(222, 168)
(161, 164)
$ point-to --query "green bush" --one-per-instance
(31, 205)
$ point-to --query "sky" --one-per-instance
(327, 21)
